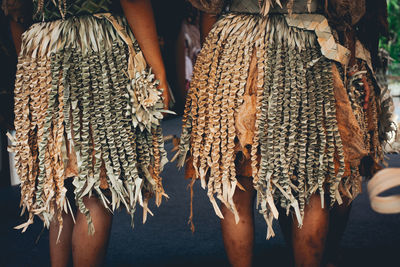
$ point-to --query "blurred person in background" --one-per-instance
(87, 118)
(10, 43)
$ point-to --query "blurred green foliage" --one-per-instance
(392, 43)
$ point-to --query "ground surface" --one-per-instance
(371, 239)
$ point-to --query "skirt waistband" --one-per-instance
(47, 11)
(253, 7)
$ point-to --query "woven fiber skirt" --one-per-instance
(88, 108)
(266, 102)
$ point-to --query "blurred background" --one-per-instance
(392, 45)
(371, 239)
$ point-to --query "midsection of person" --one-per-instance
(88, 111)
(278, 99)
(254, 7)
(88, 67)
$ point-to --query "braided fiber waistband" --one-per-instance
(280, 7)
(46, 10)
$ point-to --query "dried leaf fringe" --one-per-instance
(72, 81)
(297, 137)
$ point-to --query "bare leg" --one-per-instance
(89, 250)
(338, 218)
(309, 241)
(16, 31)
(238, 238)
(60, 253)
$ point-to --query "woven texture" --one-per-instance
(272, 6)
(79, 114)
(245, 6)
(46, 10)
(210, 6)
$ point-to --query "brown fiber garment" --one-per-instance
(209, 6)
(279, 98)
(86, 108)
(353, 137)
(350, 131)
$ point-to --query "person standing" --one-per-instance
(284, 107)
(90, 91)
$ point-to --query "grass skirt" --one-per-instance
(267, 102)
(80, 114)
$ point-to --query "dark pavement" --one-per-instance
(371, 239)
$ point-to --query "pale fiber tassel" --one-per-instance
(60, 204)
(265, 192)
(216, 179)
(222, 181)
(229, 109)
(22, 125)
(117, 133)
(36, 87)
(202, 112)
(44, 179)
(157, 166)
(218, 95)
(119, 79)
(99, 129)
(260, 51)
(304, 130)
(95, 120)
(199, 114)
(80, 132)
(262, 92)
(312, 151)
(240, 75)
(315, 84)
(209, 105)
(64, 81)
